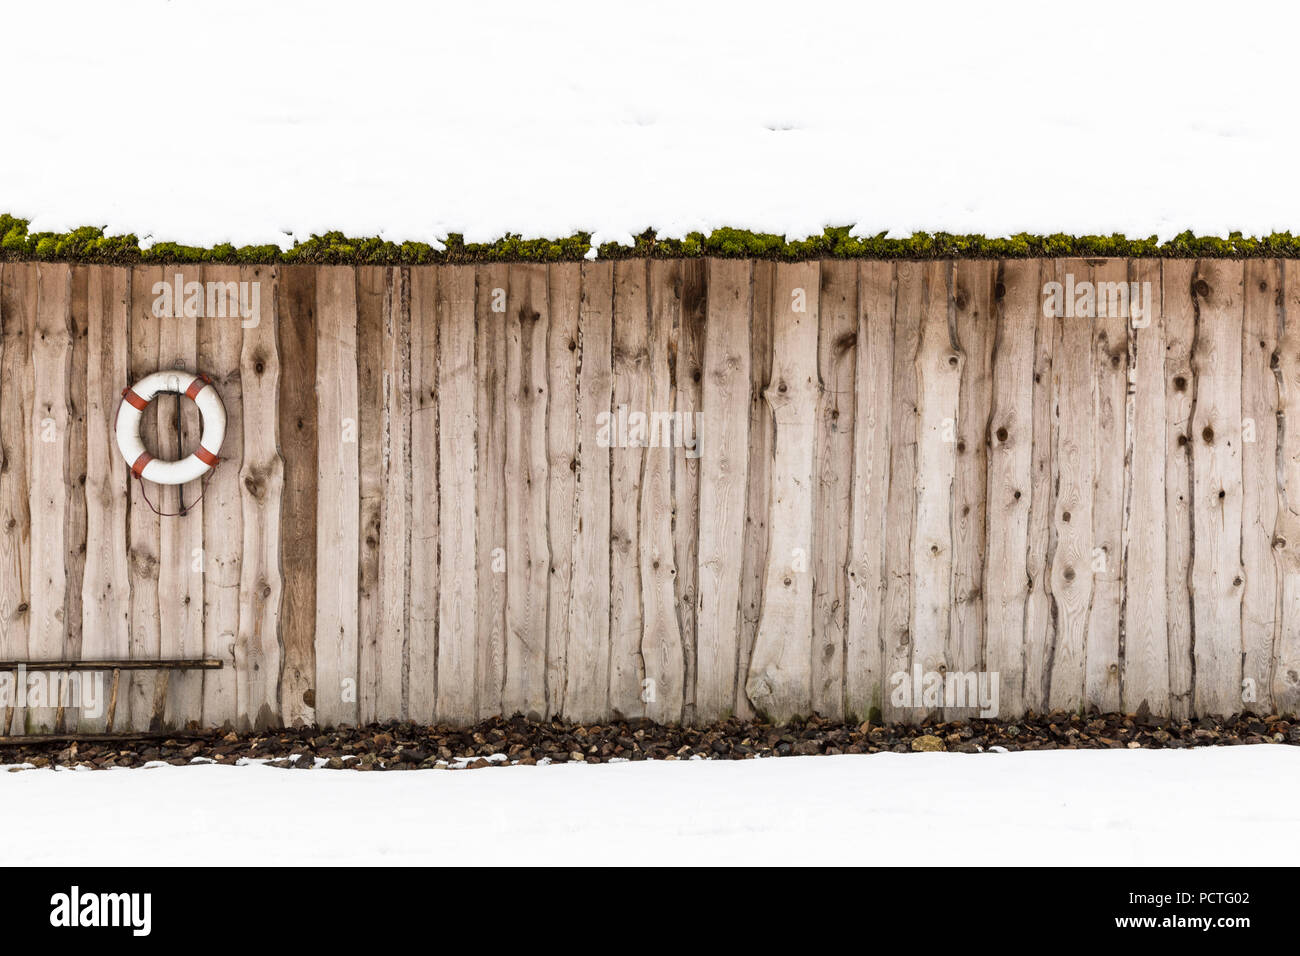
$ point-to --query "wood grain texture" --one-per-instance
(75, 517)
(338, 516)
(424, 618)
(17, 322)
(1286, 540)
(1218, 578)
(106, 587)
(220, 350)
(1145, 675)
(527, 549)
(779, 681)
(402, 667)
(724, 446)
(374, 663)
(294, 313)
(864, 680)
(1180, 389)
(262, 664)
(837, 355)
(627, 434)
(490, 309)
(586, 694)
(688, 343)
(661, 638)
(1016, 307)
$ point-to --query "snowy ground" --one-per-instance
(251, 122)
(1227, 805)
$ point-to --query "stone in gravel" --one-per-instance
(927, 743)
(334, 763)
(720, 746)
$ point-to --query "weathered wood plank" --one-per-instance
(527, 550)
(939, 365)
(837, 357)
(758, 483)
(779, 682)
(490, 309)
(586, 694)
(264, 674)
(864, 683)
(1217, 574)
(180, 569)
(74, 519)
(897, 634)
(1016, 304)
(661, 640)
(457, 394)
(294, 311)
(1180, 387)
(106, 587)
(689, 344)
(975, 323)
(565, 286)
(1071, 562)
(373, 664)
(400, 665)
(338, 516)
(627, 435)
(723, 472)
(427, 502)
(17, 320)
(220, 344)
(1286, 666)
(1146, 641)
(1262, 319)
(145, 526)
(1110, 383)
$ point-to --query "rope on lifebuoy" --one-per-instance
(144, 466)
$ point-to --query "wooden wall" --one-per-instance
(901, 464)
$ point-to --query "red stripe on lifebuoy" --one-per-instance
(137, 468)
(135, 400)
(200, 382)
(205, 456)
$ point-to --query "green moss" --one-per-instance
(89, 244)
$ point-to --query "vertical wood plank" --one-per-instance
(220, 344)
(457, 460)
(394, 651)
(1218, 577)
(338, 516)
(1016, 305)
(897, 626)
(1146, 640)
(1071, 563)
(837, 356)
(74, 526)
(758, 483)
(1110, 381)
(17, 320)
(294, 310)
(627, 437)
(1286, 665)
(586, 694)
(779, 682)
(267, 689)
(373, 664)
(1259, 472)
(661, 640)
(939, 364)
(689, 343)
(490, 310)
(976, 326)
(428, 501)
(565, 285)
(106, 588)
(145, 526)
(1180, 387)
(527, 550)
(863, 664)
(180, 574)
(723, 471)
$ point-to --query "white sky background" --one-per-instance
(250, 122)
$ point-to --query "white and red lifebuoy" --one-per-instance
(136, 399)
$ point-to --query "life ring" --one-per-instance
(136, 399)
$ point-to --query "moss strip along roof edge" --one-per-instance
(89, 244)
